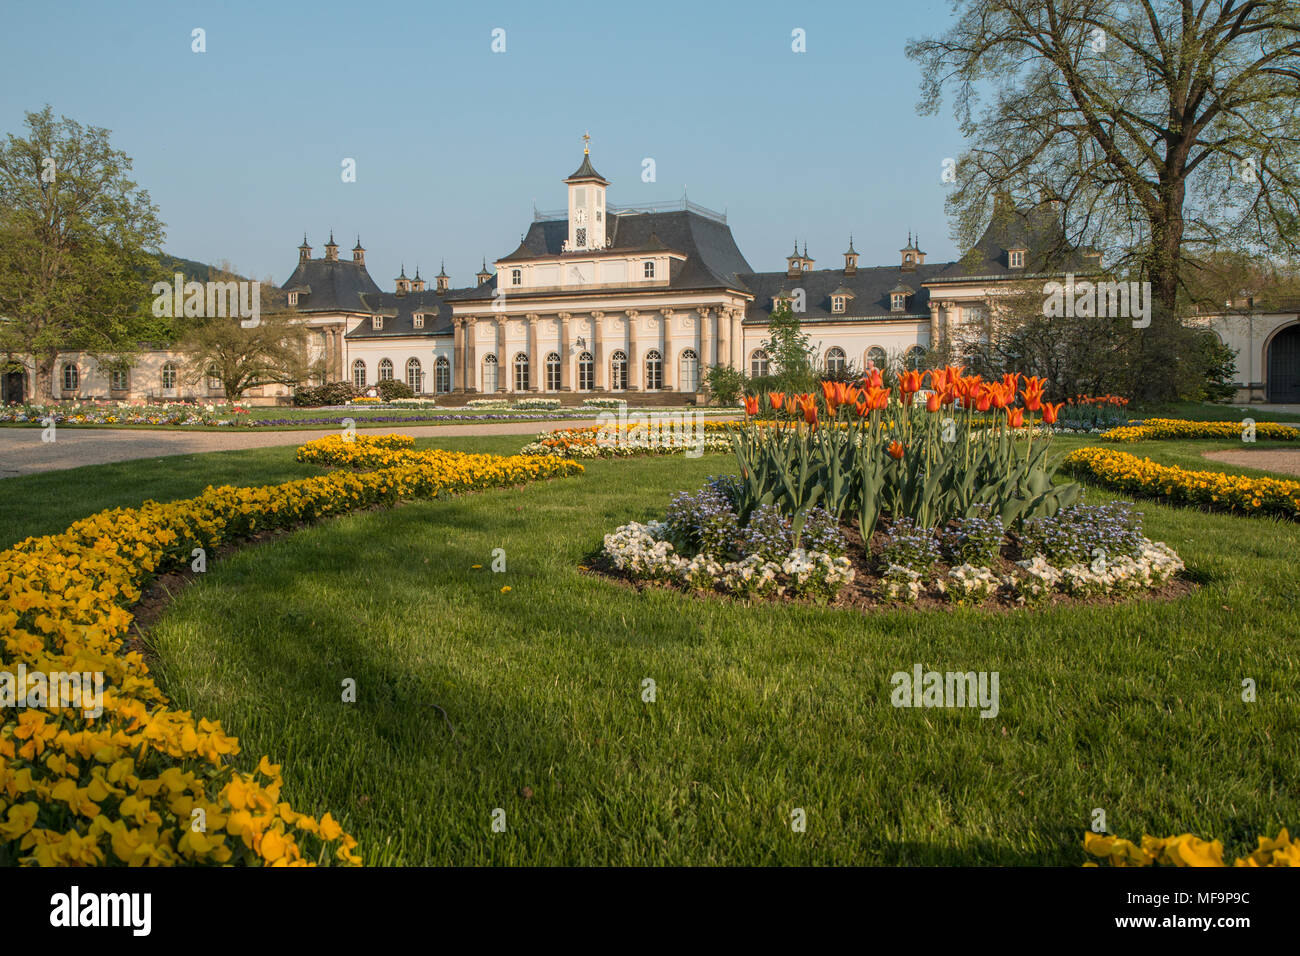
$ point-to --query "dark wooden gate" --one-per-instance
(1284, 366)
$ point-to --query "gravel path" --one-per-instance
(22, 452)
(1285, 460)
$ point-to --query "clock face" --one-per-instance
(580, 216)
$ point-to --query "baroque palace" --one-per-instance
(599, 298)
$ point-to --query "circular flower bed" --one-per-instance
(1079, 553)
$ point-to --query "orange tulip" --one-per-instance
(933, 403)
(1050, 412)
(810, 411)
(878, 398)
(861, 404)
(1016, 417)
(938, 379)
(872, 379)
(983, 397)
(751, 405)
(1033, 393)
(777, 399)
(910, 382)
(895, 450)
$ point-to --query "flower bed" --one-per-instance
(1207, 489)
(1188, 850)
(131, 784)
(530, 403)
(704, 544)
(487, 403)
(126, 413)
(1155, 428)
(662, 436)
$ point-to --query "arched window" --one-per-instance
(654, 370)
(876, 358)
(359, 374)
(618, 370)
(442, 375)
(415, 375)
(835, 361)
(168, 377)
(913, 357)
(71, 377)
(521, 372)
(385, 370)
(552, 371)
(688, 372)
(491, 379)
(586, 372)
(758, 364)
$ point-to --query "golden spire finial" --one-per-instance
(586, 143)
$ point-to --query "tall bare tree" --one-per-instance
(1165, 128)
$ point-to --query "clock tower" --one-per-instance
(586, 205)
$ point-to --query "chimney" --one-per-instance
(331, 249)
(807, 262)
(442, 278)
(417, 284)
(403, 283)
(358, 253)
(851, 259)
(483, 274)
(304, 251)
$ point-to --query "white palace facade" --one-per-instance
(641, 301)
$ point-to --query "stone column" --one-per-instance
(471, 354)
(706, 341)
(458, 354)
(565, 360)
(670, 361)
(737, 341)
(535, 369)
(501, 353)
(724, 342)
(598, 351)
(634, 377)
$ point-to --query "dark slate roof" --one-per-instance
(399, 314)
(869, 286)
(1037, 229)
(713, 260)
(326, 286)
(586, 172)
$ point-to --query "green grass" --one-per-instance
(1212, 412)
(47, 502)
(1135, 709)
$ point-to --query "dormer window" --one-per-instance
(419, 320)
(837, 303)
(293, 298)
(516, 277)
(376, 322)
(896, 301)
(1016, 258)
(649, 269)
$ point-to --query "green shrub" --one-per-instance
(392, 388)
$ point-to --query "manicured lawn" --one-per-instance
(1211, 412)
(1135, 709)
(47, 502)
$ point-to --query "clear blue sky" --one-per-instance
(240, 147)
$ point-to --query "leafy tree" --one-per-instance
(273, 352)
(76, 235)
(725, 384)
(789, 350)
(1164, 130)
